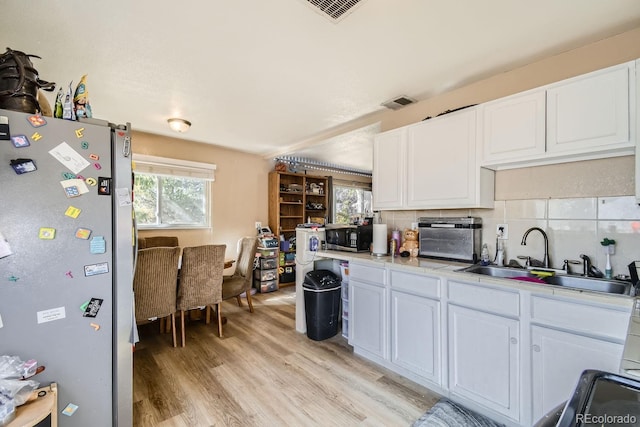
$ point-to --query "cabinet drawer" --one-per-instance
(263, 275)
(367, 273)
(484, 298)
(418, 284)
(589, 319)
(268, 263)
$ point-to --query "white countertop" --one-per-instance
(448, 269)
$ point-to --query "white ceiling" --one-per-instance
(265, 76)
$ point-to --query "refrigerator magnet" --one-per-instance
(95, 269)
(47, 233)
(93, 307)
(36, 121)
(36, 136)
(19, 141)
(83, 233)
(21, 166)
(98, 245)
(4, 128)
(70, 409)
(73, 212)
(74, 187)
(104, 186)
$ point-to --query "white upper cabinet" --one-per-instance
(441, 163)
(585, 117)
(389, 170)
(513, 128)
(591, 112)
(431, 164)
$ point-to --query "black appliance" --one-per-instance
(599, 398)
(350, 238)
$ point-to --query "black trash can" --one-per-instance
(322, 292)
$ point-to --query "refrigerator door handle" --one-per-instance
(126, 147)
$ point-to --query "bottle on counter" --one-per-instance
(484, 255)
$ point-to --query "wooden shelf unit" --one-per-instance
(290, 196)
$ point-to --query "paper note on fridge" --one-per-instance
(51, 315)
(69, 157)
(5, 249)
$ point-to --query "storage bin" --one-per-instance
(345, 290)
(268, 263)
(344, 271)
(263, 275)
(288, 274)
(268, 286)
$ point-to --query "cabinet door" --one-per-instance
(389, 171)
(484, 359)
(368, 317)
(513, 128)
(590, 112)
(441, 162)
(558, 359)
(415, 332)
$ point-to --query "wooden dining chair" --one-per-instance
(156, 241)
(201, 282)
(154, 285)
(241, 281)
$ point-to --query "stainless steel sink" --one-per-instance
(495, 271)
(569, 281)
(609, 286)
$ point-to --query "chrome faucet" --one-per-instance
(545, 260)
(586, 265)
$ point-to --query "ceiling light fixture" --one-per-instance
(179, 125)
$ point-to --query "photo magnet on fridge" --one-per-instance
(93, 307)
(4, 128)
(104, 186)
(21, 166)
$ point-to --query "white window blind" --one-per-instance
(173, 167)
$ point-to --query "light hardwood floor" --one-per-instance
(263, 373)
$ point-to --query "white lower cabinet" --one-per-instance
(415, 334)
(368, 319)
(484, 359)
(558, 358)
(509, 353)
(368, 304)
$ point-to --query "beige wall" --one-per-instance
(239, 193)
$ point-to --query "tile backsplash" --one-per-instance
(574, 226)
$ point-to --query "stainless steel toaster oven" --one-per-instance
(455, 239)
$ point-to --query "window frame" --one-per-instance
(167, 167)
(364, 186)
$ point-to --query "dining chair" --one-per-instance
(155, 241)
(154, 285)
(200, 283)
(241, 281)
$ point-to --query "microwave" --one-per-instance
(350, 238)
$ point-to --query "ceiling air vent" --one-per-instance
(399, 102)
(334, 10)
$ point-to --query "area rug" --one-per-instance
(446, 413)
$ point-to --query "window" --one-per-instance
(171, 193)
(351, 201)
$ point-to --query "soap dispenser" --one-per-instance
(484, 255)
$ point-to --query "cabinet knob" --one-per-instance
(536, 348)
(514, 340)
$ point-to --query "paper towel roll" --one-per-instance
(379, 239)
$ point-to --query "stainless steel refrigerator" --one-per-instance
(66, 260)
